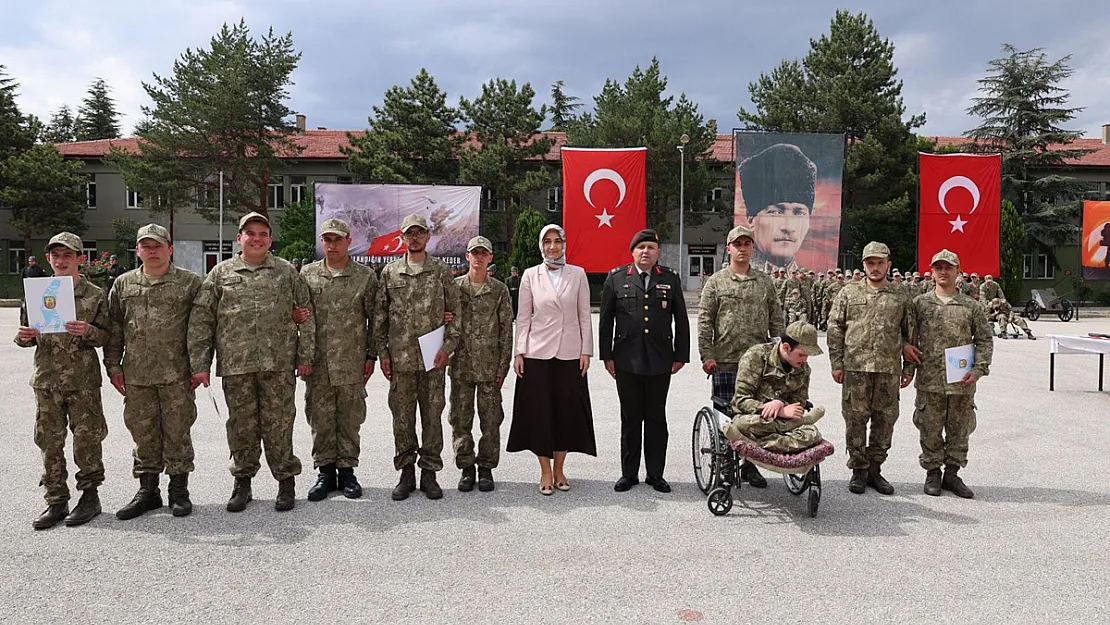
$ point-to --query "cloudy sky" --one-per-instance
(710, 49)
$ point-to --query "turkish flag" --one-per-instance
(604, 204)
(960, 209)
(392, 244)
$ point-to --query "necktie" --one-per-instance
(646, 276)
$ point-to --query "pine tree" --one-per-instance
(62, 127)
(525, 246)
(97, 117)
(16, 134)
(563, 107)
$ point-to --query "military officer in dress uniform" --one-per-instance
(642, 300)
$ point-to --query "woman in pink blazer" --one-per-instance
(554, 342)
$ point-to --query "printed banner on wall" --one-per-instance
(1096, 240)
(788, 193)
(375, 211)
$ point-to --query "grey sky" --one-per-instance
(710, 49)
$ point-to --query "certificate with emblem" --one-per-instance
(50, 303)
(958, 362)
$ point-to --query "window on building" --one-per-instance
(555, 199)
(712, 196)
(1027, 261)
(134, 199)
(275, 192)
(17, 257)
(298, 189)
(1045, 267)
(89, 250)
(212, 254)
(90, 191)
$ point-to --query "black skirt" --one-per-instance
(551, 409)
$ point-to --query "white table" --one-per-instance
(1075, 344)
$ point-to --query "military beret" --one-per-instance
(644, 235)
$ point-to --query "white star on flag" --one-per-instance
(958, 224)
(604, 218)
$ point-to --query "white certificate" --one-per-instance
(50, 303)
(430, 344)
(958, 361)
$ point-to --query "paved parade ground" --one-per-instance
(1030, 548)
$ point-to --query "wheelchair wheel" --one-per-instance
(1032, 311)
(719, 501)
(795, 483)
(706, 447)
(1067, 311)
(814, 490)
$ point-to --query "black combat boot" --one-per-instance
(148, 498)
(858, 483)
(178, 494)
(485, 479)
(53, 515)
(286, 497)
(951, 481)
(429, 485)
(876, 480)
(240, 495)
(932, 482)
(406, 484)
(87, 509)
(348, 483)
(751, 475)
(466, 482)
(326, 482)
(1029, 333)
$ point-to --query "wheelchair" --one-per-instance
(717, 460)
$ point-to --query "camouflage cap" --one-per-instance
(335, 226)
(253, 216)
(65, 239)
(988, 277)
(414, 219)
(805, 335)
(737, 232)
(514, 268)
(945, 256)
(479, 241)
(153, 231)
(974, 275)
(875, 249)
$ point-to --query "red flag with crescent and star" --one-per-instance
(392, 244)
(960, 208)
(604, 204)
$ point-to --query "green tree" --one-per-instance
(1023, 110)
(125, 230)
(298, 230)
(411, 139)
(1013, 243)
(44, 193)
(62, 127)
(16, 135)
(563, 107)
(847, 83)
(97, 117)
(222, 109)
(526, 239)
(637, 114)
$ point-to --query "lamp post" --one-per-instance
(683, 140)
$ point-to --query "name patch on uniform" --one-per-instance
(665, 287)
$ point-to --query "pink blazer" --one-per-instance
(554, 323)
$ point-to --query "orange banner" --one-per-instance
(1096, 240)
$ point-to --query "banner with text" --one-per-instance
(1096, 240)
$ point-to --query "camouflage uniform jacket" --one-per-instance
(868, 328)
(831, 291)
(763, 376)
(938, 326)
(412, 302)
(486, 332)
(926, 286)
(65, 362)
(343, 304)
(149, 319)
(245, 314)
(989, 291)
(735, 313)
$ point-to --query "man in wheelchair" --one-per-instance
(999, 311)
(770, 402)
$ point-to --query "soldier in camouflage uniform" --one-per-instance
(989, 290)
(945, 413)
(344, 294)
(999, 311)
(479, 366)
(868, 328)
(795, 307)
(831, 291)
(147, 360)
(66, 379)
(244, 313)
(414, 294)
(738, 309)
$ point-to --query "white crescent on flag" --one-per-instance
(603, 174)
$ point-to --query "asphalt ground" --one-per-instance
(1030, 548)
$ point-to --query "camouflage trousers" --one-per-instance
(335, 414)
(1003, 319)
(261, 411)
(781, 435)
(945, 423)
(461, 418)
(407, 390)
(869, 397)
(160, 419)
(83, 413)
